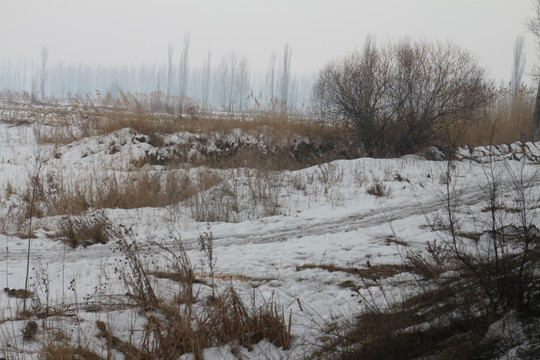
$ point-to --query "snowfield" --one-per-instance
(284, 232)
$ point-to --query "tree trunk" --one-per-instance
(536, 118)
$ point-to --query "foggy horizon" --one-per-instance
(125, 43)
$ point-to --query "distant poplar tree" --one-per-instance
(285, 77)
(184, 70)
(234, 82)
(207, 69)
(169, 74)
(271, 80)
(518, 67)
(43, 73)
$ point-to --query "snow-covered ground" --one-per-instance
(317, 216)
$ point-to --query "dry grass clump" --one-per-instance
(226, 319)
(244, 194)
(371, 272)
(64, 351)
(140, 189)
(18, 293)
(30, 330)
(185, 322)
(85, 230)
(172, 331)
(378, 189)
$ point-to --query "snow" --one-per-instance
(323, 215)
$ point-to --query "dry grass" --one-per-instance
(371, 272)
(378, 189)
(94, 122)
(85, 230)
(504, 121)
(127, 190)
(226, 319)
(64, 351)
(30, 330)
(19, 293)
(64, 125)
(186, 323)
(444, 320)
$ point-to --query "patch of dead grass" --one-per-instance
(372, 272)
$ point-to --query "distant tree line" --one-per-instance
(226, 84)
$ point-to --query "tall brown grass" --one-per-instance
(126, 190)
(507, 119)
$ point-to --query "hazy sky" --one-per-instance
(137, 31)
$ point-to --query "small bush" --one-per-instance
(30, 330)
(378, 189)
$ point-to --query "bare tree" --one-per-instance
(234, 82)
(242, 83)
(534, 27)
(43, 74)
(184, 70)
(271, 80)
(33, 88)
(404, 96)
(518, 67)
(169, 73)
(285, 77)
(226, 76)
(206, 80)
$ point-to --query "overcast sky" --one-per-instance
(139, 31)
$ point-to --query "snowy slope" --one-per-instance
(323, 215)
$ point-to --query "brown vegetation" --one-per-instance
(505, 120)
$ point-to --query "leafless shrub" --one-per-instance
(329, 173)
(382, 93)
(501, 261)
(30, 330)
(432, 264)
(378, 189)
